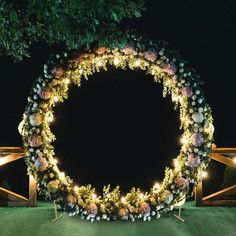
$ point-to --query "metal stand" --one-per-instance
(56, 214)
(179, 215)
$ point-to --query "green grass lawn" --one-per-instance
(37, 221)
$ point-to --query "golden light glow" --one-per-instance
(67, 81)
(2, 161)
(99, 63)
(137, 63)
(62, 175)
(141, 195)
(183, 140)
(123, 200)
(56, 98)
(234, 160)
(175, 162)
(50, 118)
(94, 196)
(54, 161)
(156, 186)
(204, 174)
(116, 61)
(76, 188)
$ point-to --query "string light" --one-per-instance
(1, 161)
(94, 196)
(175, 162)
(183, 140)
(116, 61)
(54, 161)
(99, 63)
(141, 195)
(76, 188)
(56, 98)
(62, 175)
(67, 81)
(234, 160)
(156, 186)
(123, 200)
(137, 63)
(50, 118)
(204, 174)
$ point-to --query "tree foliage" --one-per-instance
(75, 23)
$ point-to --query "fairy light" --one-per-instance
(183, 140)
(141, 195)
(63, 174)
(76, 188)
(94, 196)
(54, 161)
(99, 63)
(204, 174)
(56, 98)
(175, 162)
(67, 81)
(137, 63)
(50, 118)
(156, 186)
(234, 160)
(116, 61)
(123, 200)
(1, 161)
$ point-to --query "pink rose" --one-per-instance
(35, 140)
(92, 209)
(193, 161)
(187, 92)
(45, 94)
(41, 164)
(197, 139)
(169, 69)
(181, 182)
(144, 208)
(123, 213)
(36, 119)
(150, 55)
(129, 49)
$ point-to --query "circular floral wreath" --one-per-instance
(184, 87)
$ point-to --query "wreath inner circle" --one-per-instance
(179, 81)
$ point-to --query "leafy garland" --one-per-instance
(184, 87)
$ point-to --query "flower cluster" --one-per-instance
(179, 81)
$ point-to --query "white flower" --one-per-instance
(198, 117)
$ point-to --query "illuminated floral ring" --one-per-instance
(178, 80)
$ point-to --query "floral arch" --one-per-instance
(179, 81)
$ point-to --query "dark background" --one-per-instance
(117, 128)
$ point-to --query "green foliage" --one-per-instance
(229, 177)
(75, 23)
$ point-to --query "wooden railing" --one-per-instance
(225, 156)
(7, 197)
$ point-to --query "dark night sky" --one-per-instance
(117, 128)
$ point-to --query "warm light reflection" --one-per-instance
(2, 161)
(234, 160)
(67, 81)
(76, 188)
(116, 61)
(123, 200)
(204, 174)
(56, 98)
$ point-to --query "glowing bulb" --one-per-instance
(62, 174)
(1, 161)
(183, 140)
(116, 61)
(204, 174)
(94, 196)
(50, 118)
(175, 162)
(76, 188)
(99, 63)
(54, 161)
(123, 200)
(108, 195)
(141, 195)
(56, 98)
(137, 63)
(67, 81)
(156, 186)
(234, 160)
